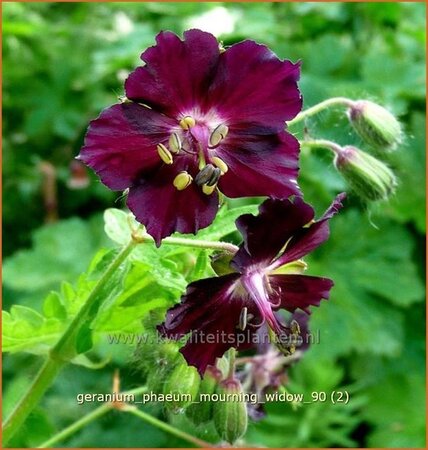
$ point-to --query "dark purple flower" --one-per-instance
(198, 119)
(227, 311)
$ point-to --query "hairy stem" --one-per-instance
(226, 246)
(322, 143)
(186, 242)
(168, 428)
(335, 101)
(60, 353)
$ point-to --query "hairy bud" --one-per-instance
(182, 385)
(230, 412)
(375, 125)
(370, 178)
(202, 412)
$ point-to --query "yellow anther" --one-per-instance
(174, 143)
(208, 190)
(182, 180)
(164, 154)
(221, 47)
(220, 164)
(187, 122)
(219, 133)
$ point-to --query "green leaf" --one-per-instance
(61, 251)
(360, 314)
(84, 338)
(26, 330)
(54, 307)
(409, 164)
(162, 267)
(389, 382)
(313, 424)
(117, 225)
(224, 223)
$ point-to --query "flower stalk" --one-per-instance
(334, 101)
(322, 143)
(76, 426)
(168, 428)
(186, 242)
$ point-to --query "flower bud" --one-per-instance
(203, 411)
(158, 367)
(375, 125)
(230, 412)
(367, 176)
(182, 385)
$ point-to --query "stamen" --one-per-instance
(182, 180)
(220, 164)
(219, 133)
(243, 319)
(187, 122)
(295, 327)
(208, 190)
(204, 175)
(289, 347)
(174, 143)
(164, 154)
(214, 177)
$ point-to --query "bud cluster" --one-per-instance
(369, 177)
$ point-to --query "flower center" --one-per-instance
(196, 137)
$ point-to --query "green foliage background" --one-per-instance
(62, 64)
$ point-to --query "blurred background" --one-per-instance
(64, 62)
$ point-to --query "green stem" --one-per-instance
(335, 101)
(195, 243)
(59, 355)
(93, 297)
(41, 383)
(85, 420)
(168, 428)
(76, 426)
(225, 246)
(322, 143)
(232, 361)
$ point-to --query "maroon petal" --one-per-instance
(266, 234)
(120, 144)
(300, 291)
(307, 239)
(253, 86)
(177, 73)
(163, 209)
(210, 312)
(260, 165)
